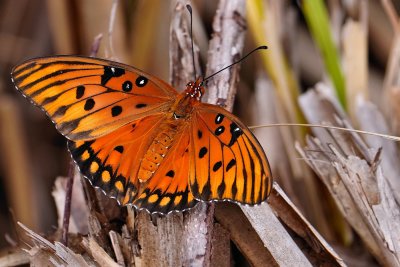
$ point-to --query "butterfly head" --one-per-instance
(195, 89)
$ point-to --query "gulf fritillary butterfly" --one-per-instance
(140, 141)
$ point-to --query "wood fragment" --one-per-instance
(180, 57)
(225, 47)
(275, 237)
(355, 178)
(45, 253)
(117, 248)
(319, 252)
(220, 255)
(99, 254)
(243, 234)
(372, 120)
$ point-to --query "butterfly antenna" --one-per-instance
(248, 54)
(189, 8)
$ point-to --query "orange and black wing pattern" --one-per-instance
(227, 162)
(86, 97)
(113, 164)
(126, 139)
(168, 189)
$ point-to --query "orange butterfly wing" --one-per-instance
(168, 189)
(125, 139)
(227, 162)
(112, 163)
(87, 98)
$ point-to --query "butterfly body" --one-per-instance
(140, 141)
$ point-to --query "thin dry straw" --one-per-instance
(386, 136)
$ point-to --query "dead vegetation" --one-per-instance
(336, 194)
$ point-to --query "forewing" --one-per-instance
(87, 98)
(227, 162)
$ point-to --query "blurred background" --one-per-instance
(344, 43)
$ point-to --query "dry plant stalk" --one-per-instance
(391, 87)
(355, 173)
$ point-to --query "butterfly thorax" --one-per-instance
(183, 106)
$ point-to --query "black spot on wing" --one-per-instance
(206, 193)
(231, 163)
(234, 190)
(236, 132)
(80, 91)
(111, 72)
(127, 86)
(219, 130)
(141, 81)
(170, 173)
(221, 189)
(49, 99)
(116, 110)
(120, 149)
(89, 104)
(68, 126)
(60, 111)
(217, 166)
(219, 118)
(141, 105)
(203, 151)
(194, 188)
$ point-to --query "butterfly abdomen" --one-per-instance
(157, 150)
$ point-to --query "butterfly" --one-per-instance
(140, 141)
